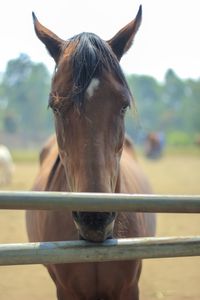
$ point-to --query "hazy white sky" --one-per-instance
(168, 38)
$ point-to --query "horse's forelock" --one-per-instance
(89, 58)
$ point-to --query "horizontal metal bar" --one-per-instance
(100, 202)
(110, 250)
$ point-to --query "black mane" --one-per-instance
(91, 56)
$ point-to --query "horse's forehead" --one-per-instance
(93, 86)
(69, 49)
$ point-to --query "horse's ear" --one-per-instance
(52, 42)
(122, 41)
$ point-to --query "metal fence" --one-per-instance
(115, 249)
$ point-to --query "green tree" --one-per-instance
(192, 106)
(25, 87)
(170, 106)
(146, 92)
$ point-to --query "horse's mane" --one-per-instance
(91, 56)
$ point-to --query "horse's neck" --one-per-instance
(56, 180)
(118, 184)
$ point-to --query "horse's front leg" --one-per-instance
(60, 295)
(131, 294)
(63, 294)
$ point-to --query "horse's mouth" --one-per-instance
(94, 227)
(97, 240)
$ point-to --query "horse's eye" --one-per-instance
(123, 109)
(53, 104)
(55, 110)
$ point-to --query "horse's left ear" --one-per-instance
(122, 41)
(52, 42)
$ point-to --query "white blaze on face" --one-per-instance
(92, 87)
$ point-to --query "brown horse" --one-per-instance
(89, 97)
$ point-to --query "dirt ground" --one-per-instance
(170, 279)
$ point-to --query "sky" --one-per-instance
(169, 36)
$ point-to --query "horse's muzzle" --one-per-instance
(94, 226)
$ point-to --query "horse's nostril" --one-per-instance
(75, 215)
(93, 226)
(113, 214)
(94, 219)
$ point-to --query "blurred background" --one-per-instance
(163, 72)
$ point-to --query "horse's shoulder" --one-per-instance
(129, 147)
(51, 175)
(46, 149)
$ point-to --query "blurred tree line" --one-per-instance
(24, 92)
(172, 106)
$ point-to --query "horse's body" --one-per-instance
(91, 281)
(6, 165)
(90, 154)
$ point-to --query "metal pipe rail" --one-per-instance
(100, 202)
(110, 250)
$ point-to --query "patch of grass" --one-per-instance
(190, 150)
(25, 155)
(187, 150)
(23, 177)
(173, 174)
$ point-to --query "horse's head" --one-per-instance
(89, 97)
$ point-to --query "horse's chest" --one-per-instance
(96, 281)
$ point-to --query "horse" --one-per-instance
(6, 166)
(90, 153)
(154, 145)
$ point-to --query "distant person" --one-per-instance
(197, 140)
(154, 145)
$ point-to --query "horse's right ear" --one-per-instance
(52, 42)
(122, 41)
